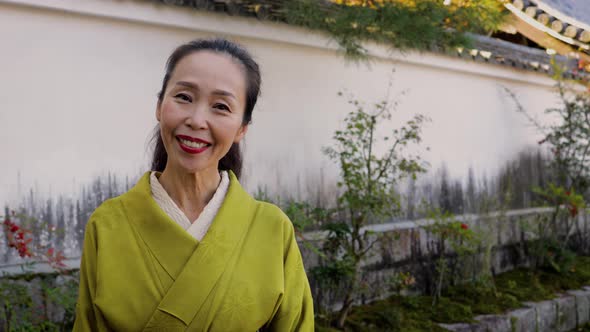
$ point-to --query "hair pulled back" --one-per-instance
(233, 159)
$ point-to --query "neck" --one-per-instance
(190, 191)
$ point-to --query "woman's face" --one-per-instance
(201, 111)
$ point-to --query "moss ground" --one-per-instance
(585, 328)
(462, 303)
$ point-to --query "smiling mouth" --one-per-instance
(191, 144)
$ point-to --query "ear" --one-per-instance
(241, 133)
(158, 112)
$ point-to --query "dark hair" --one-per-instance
(233, 159)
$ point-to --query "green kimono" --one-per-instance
(141, 271)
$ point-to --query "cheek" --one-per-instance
(164, 133)
(168, 123)
(169, 116)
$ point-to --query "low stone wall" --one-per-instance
(38, 298)
(407, 247)
(562, 314)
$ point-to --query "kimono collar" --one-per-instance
(171, 245)
(197, 228)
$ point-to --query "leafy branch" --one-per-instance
(399, 24)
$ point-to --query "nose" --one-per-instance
(197, 118)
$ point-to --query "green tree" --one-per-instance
(369, 180)
(568, 138)
(399, 24)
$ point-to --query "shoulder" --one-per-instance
(114, 210)
(271, 212)
(107, 214)
(263, 211)
(273, 218)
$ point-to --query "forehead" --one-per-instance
(211, 70)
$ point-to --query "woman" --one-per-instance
(187, 249)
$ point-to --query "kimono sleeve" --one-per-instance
(88, 317)
(295, 310)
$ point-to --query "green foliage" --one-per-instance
(336, 268)
(552, 254)
(401, 281)
(551, 248)
(368, 180)
(304, 215)
(64, 296)
(459, 304)
(585, 328)
(380, 318)
(338, 265)
(568, 138)
(560, 196)
(402, 25)
(540, 285)
(530, 285)
(454, 243)
(481, 298)
(403, 314)
(18, 310)
(261, 194)
(16, 303)
(20, 313)
(453, 312)
(413, 313)
(450, 232)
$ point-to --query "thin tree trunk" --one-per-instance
(344, 311)
(348, 299)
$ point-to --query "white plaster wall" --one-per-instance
(78, 84)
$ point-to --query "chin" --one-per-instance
(192, 168)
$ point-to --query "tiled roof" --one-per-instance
(501, 52)
(486, 50)
(576, 9)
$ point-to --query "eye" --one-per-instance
(222, 107)
(184, 97)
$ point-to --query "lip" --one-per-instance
(193, 139)
(189, 149)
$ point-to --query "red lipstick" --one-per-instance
(189, 149)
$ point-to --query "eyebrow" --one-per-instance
(215, 92)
